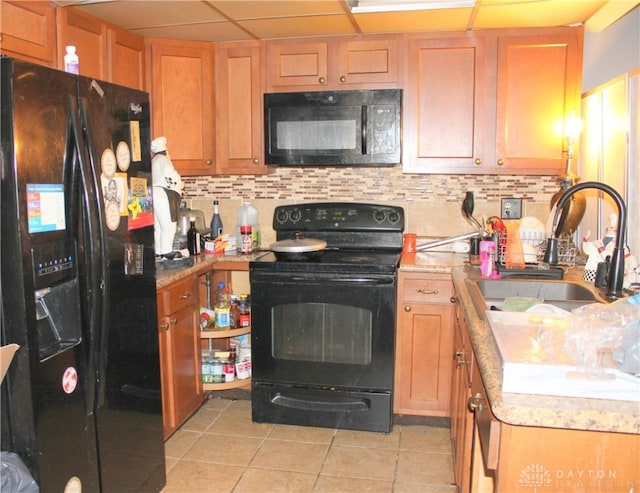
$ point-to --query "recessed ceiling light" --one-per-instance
(365, 6)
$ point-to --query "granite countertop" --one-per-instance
(522, 409)
(202, 263)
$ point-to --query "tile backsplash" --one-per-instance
(432, 203)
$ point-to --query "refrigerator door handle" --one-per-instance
(96, 255)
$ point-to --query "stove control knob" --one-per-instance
(379, 216)
(394, 217)
(281, 216)
(295, 215)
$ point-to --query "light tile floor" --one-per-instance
(220, 450)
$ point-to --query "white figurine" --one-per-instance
(167, 192)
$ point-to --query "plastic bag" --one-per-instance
(14, 475)
(606, 336)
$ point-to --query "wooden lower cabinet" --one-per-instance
(179, 331)
(424, 343)
(494, 456)
(461, 417)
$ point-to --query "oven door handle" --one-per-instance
(378, 281)
(321, 405)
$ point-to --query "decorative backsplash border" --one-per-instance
(387, 184)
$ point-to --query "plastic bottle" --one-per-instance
(193, 238)
(222, 307)
(216, 221)
(246, 239)
(248, 216)
(71, 60)
(244, 312)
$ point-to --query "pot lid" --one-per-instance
(298, 245)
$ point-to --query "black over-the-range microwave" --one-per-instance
(333, 128)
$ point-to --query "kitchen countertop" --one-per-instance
(205, 262)
(522, 409)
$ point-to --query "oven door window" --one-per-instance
(321, 332)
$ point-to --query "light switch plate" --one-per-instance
(511, 208)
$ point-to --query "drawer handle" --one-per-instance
(322, 80)
(186, 295)
(164, 326)
(343, 79)
(453, 299)
(475, 403)
(427, 291)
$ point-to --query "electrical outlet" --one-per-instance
(511, 208)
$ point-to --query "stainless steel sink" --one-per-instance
(546, 290)
(562, 294)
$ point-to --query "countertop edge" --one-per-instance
(202, 263)
(537, 410)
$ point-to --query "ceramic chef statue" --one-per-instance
(167, 191)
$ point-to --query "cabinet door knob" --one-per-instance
(174, 321)
(460, 359)
(453, 299)
(164, 326)
(256, 160)
(500, 162)
(185, 295)
(322, 80)
(478, 161)
(407, 308)
(343, 79)
(427, 291)
(475, 402)
(209, 162)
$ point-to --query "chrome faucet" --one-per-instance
(616, 271)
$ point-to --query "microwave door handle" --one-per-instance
(363, 130)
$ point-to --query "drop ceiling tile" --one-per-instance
(273, 9)
(432, 20)
(535, 14)
(138, 14)
(210, 31)
(330, 25)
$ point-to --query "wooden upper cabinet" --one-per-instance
(538, 86)
(333, 63)
(181, 92)
(239, 123)
(446, 104)
(28, 31)
(491, 101)
(106, 52)
(89, 35)
(126, 58)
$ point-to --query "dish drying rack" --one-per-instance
(567, 251)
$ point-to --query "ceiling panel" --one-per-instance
(132, 14)
(274, 9)
(535, 14)
(438, 20)
(298, 27)
(232, 20)
(207, 31)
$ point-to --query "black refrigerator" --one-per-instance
(81, 402)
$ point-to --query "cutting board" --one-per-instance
(534, 360)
